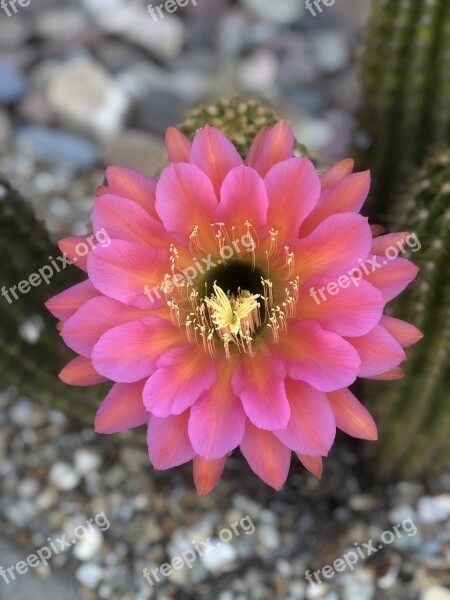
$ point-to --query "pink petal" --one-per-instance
(123, 219)
(391, 375)
(77, 249)
(377, 230)
(321, 358)
(168, 441)
(351, 416)
(405, 333)
(333, 248)
(346, 195)
(122, 408)
(277, 145)
(257, 144)
(83, 330)
(65, 304)
(124, 271)
(392, 277)
(217, 420)
(293, 188)
(260, 385)
(182, 375)
(266, 455)
(311, 429)
(207, 473)
(185, 199)
(80, 372)
(314, 464)
(178, 145)
(130, 352)
(379, 352)
(243, 198)
(131, 184)
(382, 242)
(337, 172)
(349, 311)
(214, 154)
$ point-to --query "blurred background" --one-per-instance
(85, 84)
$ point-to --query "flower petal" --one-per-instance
(321, 358)
(131, 184)
(178, 145)
(168, 441)
(65, 304)
(125, 271)
(311, 429)
(185, 199)
(243, 198)
(266, 455)
(217, 420)
(83, 330)
(349, 311)
(293, 188)
(215, 155)
(277, 145)
(207, 472)
(351, 416)
(378, 351)
(123, 219)
(80, 371)
(314, 464)
(382, 243)
(391, 375)
(392, 277)
(77, 249)
(260, 386)
(405, 333)
(257, 144)
(182, 375)
(333, 248)
(130, 352)
(337, 172)
(122, 408)
(346, 195)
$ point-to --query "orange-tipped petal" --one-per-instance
(351, 416)
(337, 172)
(80, 372)
(207, 473)
(391, 375)
(405, 333)
(314, 464)
(178, 145)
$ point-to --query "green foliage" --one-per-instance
(414, 412)
(405, 76)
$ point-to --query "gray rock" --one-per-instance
(86, 98)
(13, 33)
(85, 549)
(58, 147)
(63, 476)
(282, 12)
(331, 50)
(135, 149)
(89, 575)
(434, 509)
(13, 84)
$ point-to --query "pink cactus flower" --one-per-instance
(233, 305)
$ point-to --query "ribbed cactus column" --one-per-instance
(31, 355)
(405, 76)
(414, 413)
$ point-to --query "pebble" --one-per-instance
(86, 461)
(282, 12)
(434, 509)
(86, 98)
(56, 146)
(13, 84)
(136, 150)
(436, 593)
(219, 557)
(331, 51)
(89, 575)
(63, 476)
(5, 127)
(86, 548)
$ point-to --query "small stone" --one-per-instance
(86, 548)
(269, 536)
(55, 146)
(89, 575)
(136, 150)
(63, 476)
(331, 51)
(61, 24)
(34, 107)
(86, 461)
(436, 592)
(434, 509)
(219, 557)
(259, 72)
(21, 412)
(13, 33)
(5, 127)
(86, 98)
(282, 12)
(13, 86)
